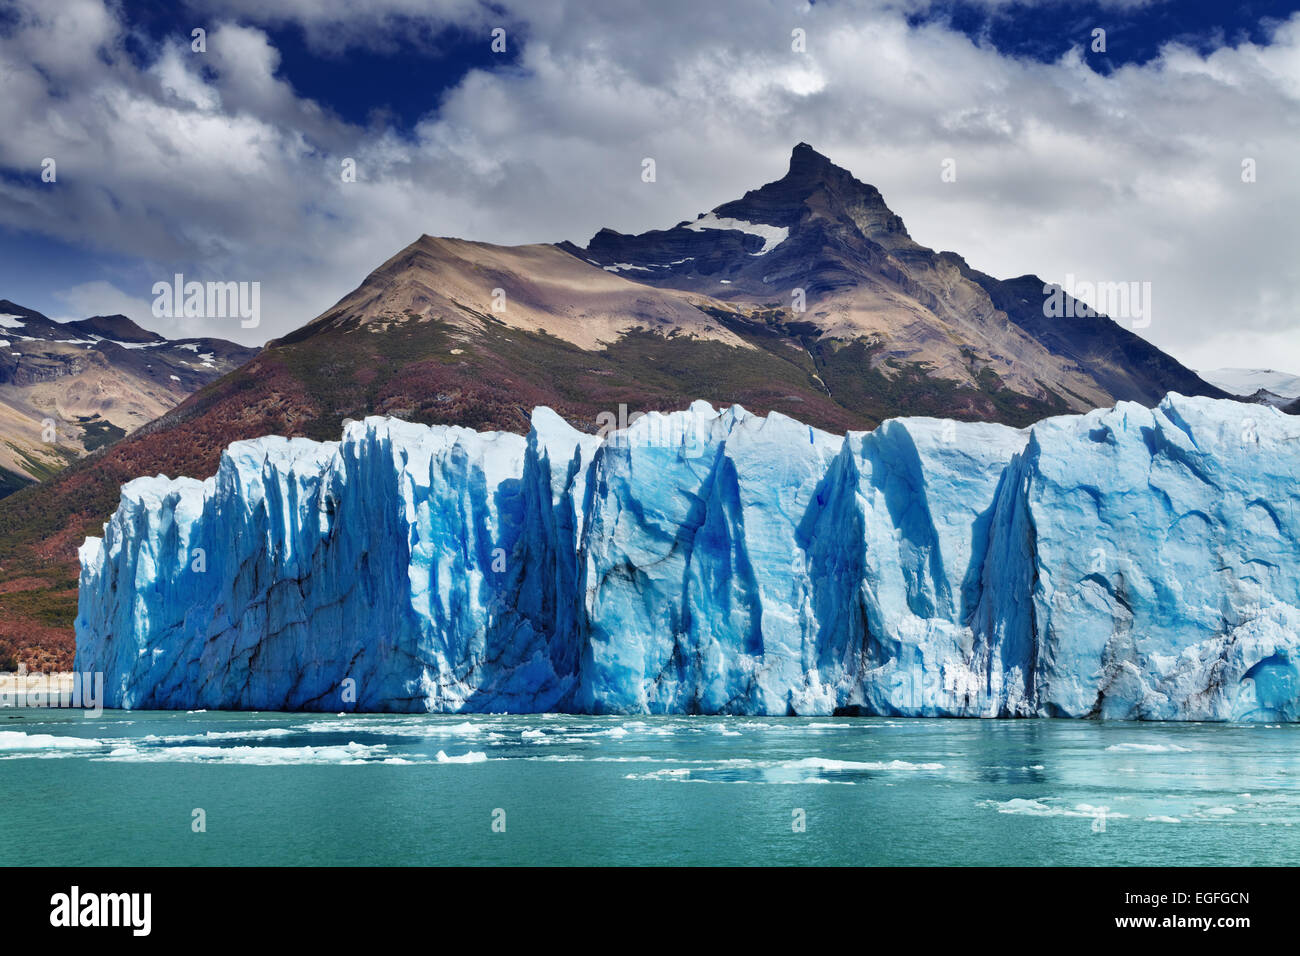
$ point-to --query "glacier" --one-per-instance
(1128, 563)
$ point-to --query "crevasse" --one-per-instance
(1128, 563)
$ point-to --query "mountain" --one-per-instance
(1261, 385)
(1121, 362)
(719, 563)
(542, 290)
(86, 383)
(898, 306)
(450, 331)
(118, 328)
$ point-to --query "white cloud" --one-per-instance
(103, 298)
(1129, 176)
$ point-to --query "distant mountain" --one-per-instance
(68, 388)
(118, 328)
(1262, 385)
(453, 331)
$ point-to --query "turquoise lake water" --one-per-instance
(383, 789)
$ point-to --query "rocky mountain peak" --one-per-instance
(814, 189)
(806, 164)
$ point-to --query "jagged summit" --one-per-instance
(810, 169)
(825, 249)
(815, 205)
(822, 257)
(819, 198)
(806, 162)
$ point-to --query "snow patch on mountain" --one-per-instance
(772, 236)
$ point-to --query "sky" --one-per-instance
(225, 164)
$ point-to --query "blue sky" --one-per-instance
(224, 164)
(397, 79)
(1135, 32)
(393, 79)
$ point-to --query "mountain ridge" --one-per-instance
(68, 388)
(117, 327)
(1262, 385)
(862, 274)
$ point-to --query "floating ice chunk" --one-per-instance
(19, 740)
(474, 756)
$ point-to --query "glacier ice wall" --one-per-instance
(1128, 563)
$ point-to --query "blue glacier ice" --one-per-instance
(1129, 563)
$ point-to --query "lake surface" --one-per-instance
(382, 789)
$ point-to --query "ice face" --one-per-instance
(1168, 572)
(1129, 563)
